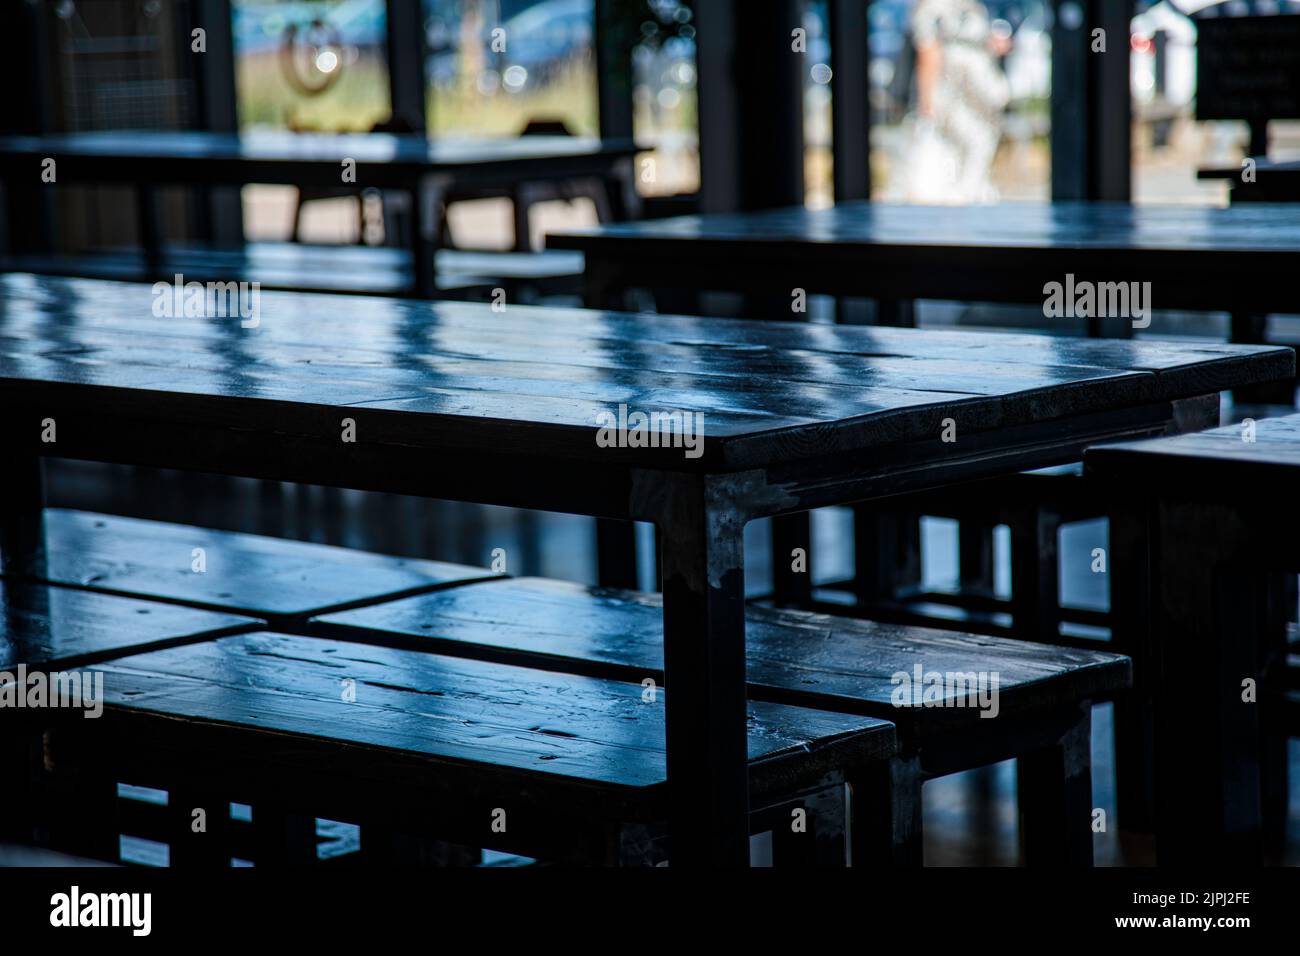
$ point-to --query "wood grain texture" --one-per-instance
(458, 377)
(61, 627)
(438, 709)
(245, 574)
(818, 660)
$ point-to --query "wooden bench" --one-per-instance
(1224, 522)
(274, 580)
(370, 270)
(1042, 693)
(554, 766)
(46, 630)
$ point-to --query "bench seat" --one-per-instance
(268, 578)
(569, 768)
(44, 630)
(54, 628)
(1040, 704)
(793, 656)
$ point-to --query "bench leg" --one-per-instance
(885, 807)
(77, 803)
(1055, 796)
(975, 557)
(386, 846)
(791, 588)
(1209, 607)
(282, 838)
(887, 552)
(192, 848)
(1035, 575)
(1130, 622)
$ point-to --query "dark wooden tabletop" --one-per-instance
(447, 379)
(192, 156)
(1194, 256)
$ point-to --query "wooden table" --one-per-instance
(426, 169)
(1195, 258)
(456, 401)
(1274, 180)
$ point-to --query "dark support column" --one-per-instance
(850, 105)
(704, 676)
(214, 75)
(613, 70)
(751, 105)
(406, 52)
(1091, 112)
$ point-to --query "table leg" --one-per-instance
(1130, 627)
(704, 665)
(1208, 607)
(1055, 797)
(621, 193)
(22, 499)
(426, 202)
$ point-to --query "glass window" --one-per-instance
(1169, 144)
(495, 66)
(665, 107)
(311, 64)
(960, 99)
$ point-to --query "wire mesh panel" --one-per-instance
(123, 64)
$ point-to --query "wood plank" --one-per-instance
(438, 710)
(813, 659)
(245, 574)
(59, 628)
